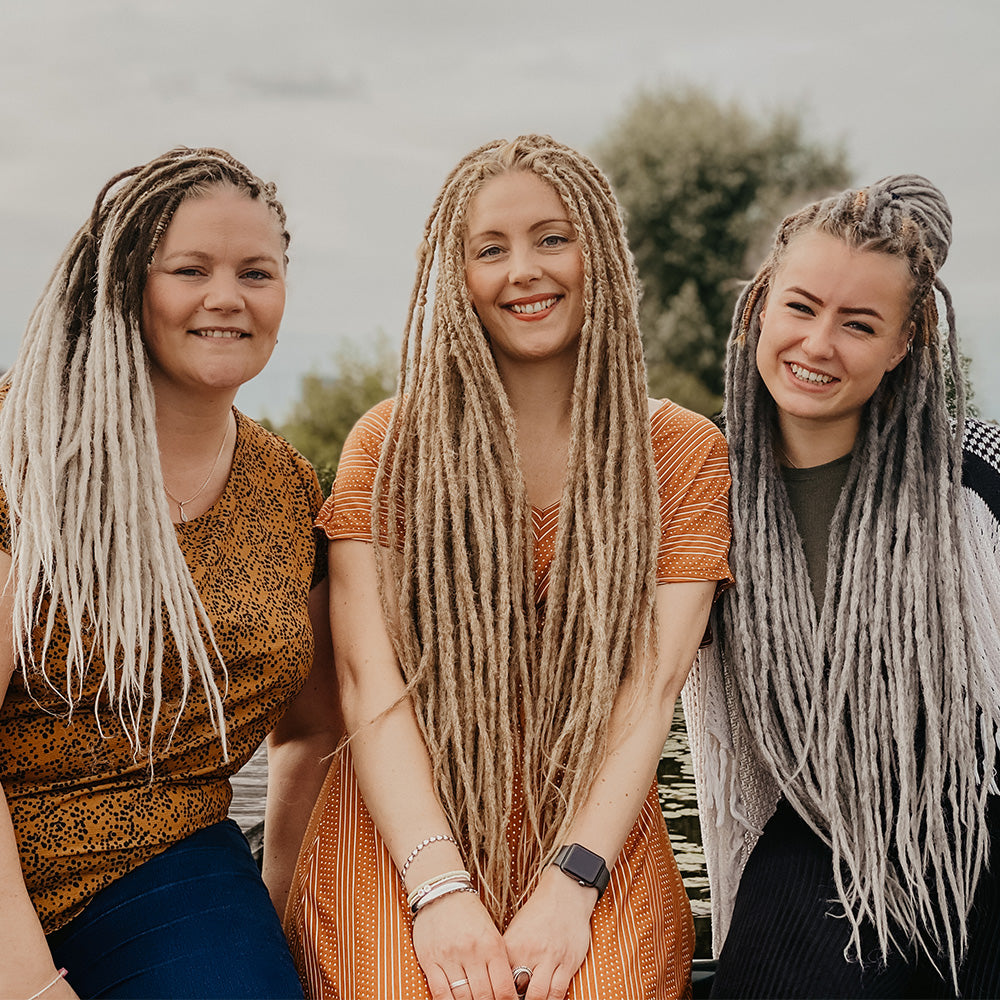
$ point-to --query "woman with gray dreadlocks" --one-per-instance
(161, 587)
(511, 651)
(845, 728)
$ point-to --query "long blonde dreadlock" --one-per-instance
(90, 525)
(873, 712)
(467, 638)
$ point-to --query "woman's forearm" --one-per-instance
(550, 934)
(298, 757)
(295, 774)
(27, 963)
(640, 723)
(456, 936)
(391, 762)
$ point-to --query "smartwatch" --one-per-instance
(583, 866)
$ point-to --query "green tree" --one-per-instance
(329, 405)
(703, 184)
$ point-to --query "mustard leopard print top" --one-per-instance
(84, 808)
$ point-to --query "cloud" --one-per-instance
(301, 85)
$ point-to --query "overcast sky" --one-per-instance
(358, 110)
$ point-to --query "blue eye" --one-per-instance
(256, 275)
(554, 240)
(490, 251)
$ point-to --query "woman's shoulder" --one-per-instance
(364, 442)
(982, 439)
(265, 445)
(673, 425)
(981, 462)
(376, 420)
(267, 459)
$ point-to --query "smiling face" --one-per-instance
(524, 270)
(835, 322)
(215, 294)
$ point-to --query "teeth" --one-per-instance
(220, 334)
(807, 376)
(533, 307)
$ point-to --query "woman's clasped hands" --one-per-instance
(463, 954)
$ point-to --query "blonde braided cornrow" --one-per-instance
(872, 710)
(90, 527)
(498, 704)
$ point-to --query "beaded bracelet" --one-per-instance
(439, 892)
(416, 850)
(424, 887)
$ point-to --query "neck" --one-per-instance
(804, 444)
(540, 393)
(184, 420)
(541, 396)
(196, 444)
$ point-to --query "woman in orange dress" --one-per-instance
(510, 651)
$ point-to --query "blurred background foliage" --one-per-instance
(703, 185)
(329, 404)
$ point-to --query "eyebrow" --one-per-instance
(844, 310)
(538, 225)
(201, 255)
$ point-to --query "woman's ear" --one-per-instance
(904, 349)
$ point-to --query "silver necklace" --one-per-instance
(181, 504)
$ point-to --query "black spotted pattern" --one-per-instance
(84, 807)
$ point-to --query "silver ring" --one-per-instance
(516, 974)
(459, 982)
(521, 968)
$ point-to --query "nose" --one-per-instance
(224, 294)
(524, 266)
(818, 342)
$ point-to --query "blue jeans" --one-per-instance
(194, 921)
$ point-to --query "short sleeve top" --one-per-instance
(86, 809)
(693, 481)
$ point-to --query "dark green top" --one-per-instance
(813, 495)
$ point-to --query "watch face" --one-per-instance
(583, 864)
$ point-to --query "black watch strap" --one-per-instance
(583, 866)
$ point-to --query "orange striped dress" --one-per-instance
(347, 919)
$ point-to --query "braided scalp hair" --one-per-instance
(90, 526)
(871, 710)
(507, 695)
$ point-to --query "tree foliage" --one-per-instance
(703, 184)
(329, 405)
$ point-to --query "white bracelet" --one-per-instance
(421, 890)
(61, 974)
(439, 891)
(416, 850)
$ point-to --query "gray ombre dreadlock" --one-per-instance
(90, 526)
(872, 710)
(463, 589)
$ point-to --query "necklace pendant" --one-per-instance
(194, 496)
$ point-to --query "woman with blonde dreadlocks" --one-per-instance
(162, 582)
(845, 726)
(510, 653)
